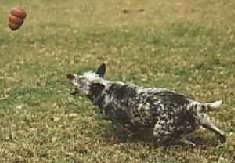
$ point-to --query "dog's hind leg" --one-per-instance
(185, 141)
(206, 123)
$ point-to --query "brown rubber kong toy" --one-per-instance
(16, 18)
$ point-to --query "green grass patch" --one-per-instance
(186, 46)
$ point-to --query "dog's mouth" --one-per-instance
(71, 77)
(75, 91)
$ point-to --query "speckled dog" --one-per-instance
(170, 116)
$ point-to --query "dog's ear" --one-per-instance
(101, 70)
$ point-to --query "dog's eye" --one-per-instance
(82, 80)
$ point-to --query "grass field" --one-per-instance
(184, 45)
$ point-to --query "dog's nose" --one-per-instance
(70, 76)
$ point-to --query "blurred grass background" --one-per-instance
(184, 45)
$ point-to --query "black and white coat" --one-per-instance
(170, 116)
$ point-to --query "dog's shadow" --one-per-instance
(116, 135)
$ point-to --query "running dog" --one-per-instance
(170, 116)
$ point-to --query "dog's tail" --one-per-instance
(205, 107)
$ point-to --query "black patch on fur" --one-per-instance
(116, 115)
(174, 98)
(121, 91)
(95, 93)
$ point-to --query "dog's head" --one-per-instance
(86, 83)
